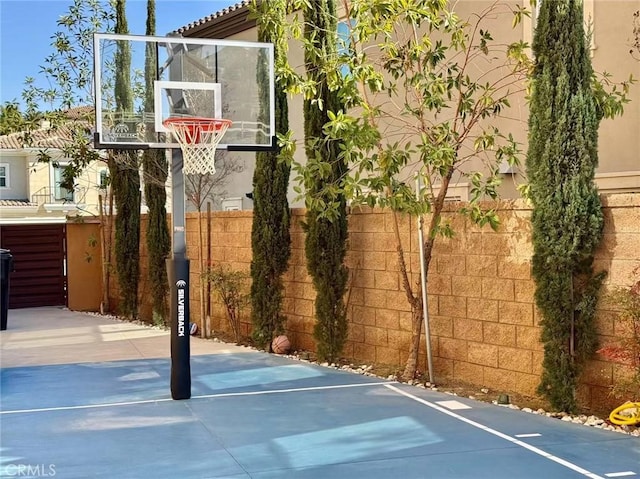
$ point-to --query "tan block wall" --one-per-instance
(229, 243)
(484, 325)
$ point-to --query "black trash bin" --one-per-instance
(6, 267)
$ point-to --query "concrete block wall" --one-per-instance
(485, 322)
(485, 328)
(229, 244)
(618, 254)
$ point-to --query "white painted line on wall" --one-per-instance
(620, 474)
(533, 434)
(204, 396)
(453, 405)
(535, 450)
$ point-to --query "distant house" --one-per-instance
(31, 191)
(612, 27)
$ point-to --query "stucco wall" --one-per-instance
(619, 143)
(84, 267)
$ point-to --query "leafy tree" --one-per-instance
(156, 171)
(12, 120)
(567, 215)
(68, 70)
(68, 74)
(326, 238)
(421, 89)
(270, 238)
(125, 181)
(414, 104)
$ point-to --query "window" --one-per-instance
(4, 175)
(60, 193)
(103, 178)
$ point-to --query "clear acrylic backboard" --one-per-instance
(191, 77)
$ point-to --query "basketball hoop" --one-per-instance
(198, 138)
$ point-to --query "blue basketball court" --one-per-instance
(254, 415)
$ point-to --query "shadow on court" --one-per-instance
(84, 396)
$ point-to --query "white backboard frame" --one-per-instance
(103, 141)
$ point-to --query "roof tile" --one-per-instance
(213, 16)
(55, 137)
(25, 203)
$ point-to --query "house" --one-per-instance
(611, 40)
(35, 210)
(31, 191)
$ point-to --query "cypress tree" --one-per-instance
(567, 217)
(270, 238)
(125, 181)
(326, 238)
(155, 167)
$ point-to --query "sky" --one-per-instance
(27, 27)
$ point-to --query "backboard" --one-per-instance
(190, 77)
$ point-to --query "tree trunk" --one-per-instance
(417, 317)
(203, 325)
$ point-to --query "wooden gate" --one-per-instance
(38, 254)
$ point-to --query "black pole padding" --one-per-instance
(178, 272)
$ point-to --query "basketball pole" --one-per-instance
(178, 274)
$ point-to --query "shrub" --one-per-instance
(627, 350)
(231, 287)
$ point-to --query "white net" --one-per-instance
(198, 138)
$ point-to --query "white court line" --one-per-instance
(533, 434)
(531, 448)
(453, 405)
(621, 474)
(204, 396)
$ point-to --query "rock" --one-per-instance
(566, 418)
(593, 421)
(527, 409)
(484, 391)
